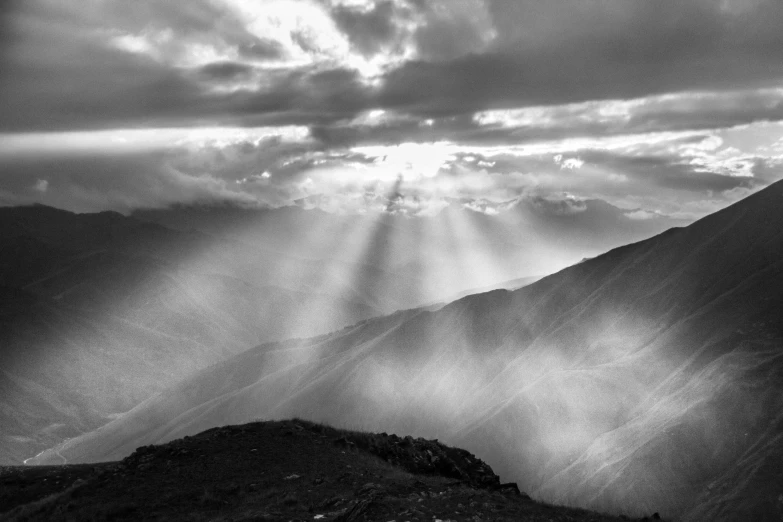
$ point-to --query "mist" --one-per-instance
(547, 232)
(102, 311)
(629, 383)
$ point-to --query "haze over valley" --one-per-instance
(638, 380)
(102, 311)
(548, 233)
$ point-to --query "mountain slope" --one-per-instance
(290, 470)
(142, 305)
(99, 311)
(646, 379)
(430, 257)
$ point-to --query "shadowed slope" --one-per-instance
(564, 385)
(99, 312)
(290, 470)
(125, 307)
(635, 381)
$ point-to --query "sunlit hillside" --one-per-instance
(646, 379)
(101, 311)
(547, 231)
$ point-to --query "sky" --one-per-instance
(664, 108)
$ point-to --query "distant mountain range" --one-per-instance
(99, 312)
(429, 257)
(647, 379)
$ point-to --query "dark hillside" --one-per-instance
(290, 470)
(647, 379)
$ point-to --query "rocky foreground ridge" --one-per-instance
(286, 470)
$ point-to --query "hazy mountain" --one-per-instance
(646, 379)
(430, 258)
(104, 310)
(513, 284)
(99, 312)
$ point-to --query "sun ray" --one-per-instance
(330, 278)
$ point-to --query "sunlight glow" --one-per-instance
(619, 111)
(409, 160)
(119, 140)
(310, 37)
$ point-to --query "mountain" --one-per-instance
(102, 311)
(514, 284)
(99, 312)
(647, 379)
(290, 470)
(429, 258)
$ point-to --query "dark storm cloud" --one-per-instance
(55, 77)
(133, 91)
(301, 97)
(570, 50)
(224, 70)
(453, 28)
(58, 74)
(61, 71)
(557, 76)
(500, 98)
(127, 91)
(368, 31)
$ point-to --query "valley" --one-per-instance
(633, 382)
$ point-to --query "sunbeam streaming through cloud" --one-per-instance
(546, 231)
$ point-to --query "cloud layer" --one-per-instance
(671, 108)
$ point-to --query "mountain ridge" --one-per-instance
(287, 470)
(637, 353)
(180, 300)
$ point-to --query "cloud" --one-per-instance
(652, 108)
(120, 182)
(56, 80)
(453, 28)
(370, 30)
(568, 163)
(564, 206)
(225, 70)
(569, 50)
(154, 63)
(165, 64)
(641, 215)
(689, 110)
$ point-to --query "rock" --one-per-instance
(509, 487)
(355, 512)
(343, 442)
(370, 487)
